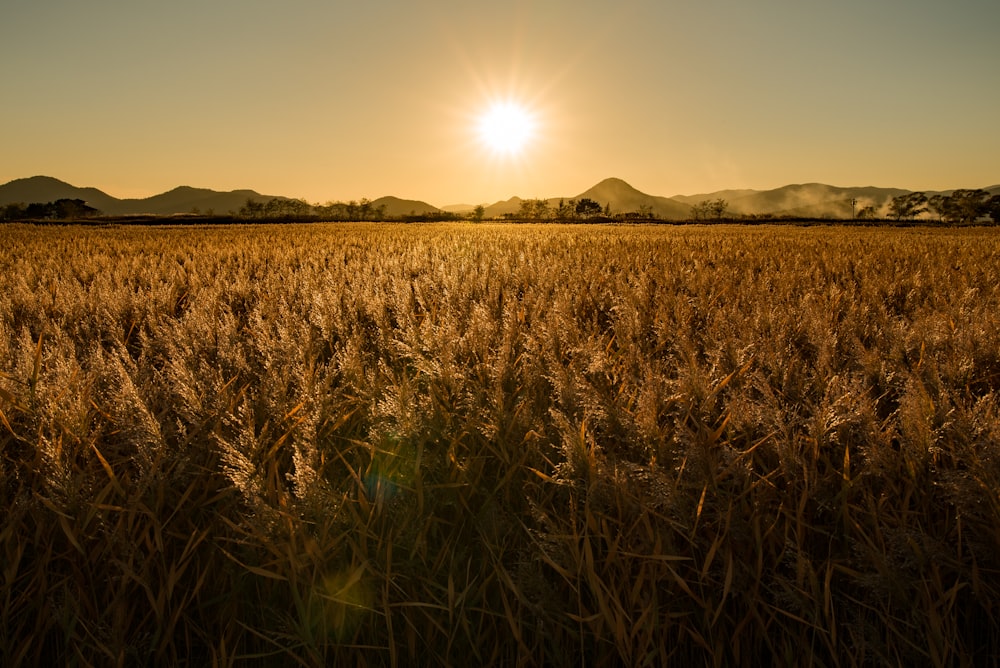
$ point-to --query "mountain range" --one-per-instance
(810, 200)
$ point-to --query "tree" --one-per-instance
(907, 206)
(710, 209)
(962, 206)
(527, 209)
(942, 206)
(478, 213)
(533, 209)
(565, 210)
(718, 208)
(364, 208)
(969, 204)
(541, 209)
(587, 208)
(73, 208)
(13, 211)
(992, 208)
(252, 209)
(868, 213)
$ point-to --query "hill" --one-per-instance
(811, 200)
(47, 189)
(179, 200)
(808, 200)
(613, 192)
(186, 199)
(394, 206)
(623, 198)
(512, 205)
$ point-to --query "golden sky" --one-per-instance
(343, 100)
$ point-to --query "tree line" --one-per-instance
(961, 206)
(572, 210)
(297, 209)
(61, 209)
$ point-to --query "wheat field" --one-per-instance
(374, 444)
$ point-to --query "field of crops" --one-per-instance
(483, 444)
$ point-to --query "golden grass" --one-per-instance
(514, 445)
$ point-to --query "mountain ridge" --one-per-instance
(798, 200)
(182, 199)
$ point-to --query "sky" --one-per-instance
(331, 101)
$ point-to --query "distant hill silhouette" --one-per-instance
(179, 200)
(808, 200)
(44, 189)
(186, 199)
(396, 207)
(613, 192)
(497, 209)
(623, 198)
(813, 200)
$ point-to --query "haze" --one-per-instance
(331, 101)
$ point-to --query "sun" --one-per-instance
(506, 128)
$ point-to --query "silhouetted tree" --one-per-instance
(251, 209)
(718, 208)
(61, 209)
(907, 206)
(969, 204)
(533, 209)
(710, 209)
(992, 208)
(941, 205)
(478, 213)
(364, 209)
(13, 211)
(868, 213)
(962, 206)
(566, 210)
(587, 208)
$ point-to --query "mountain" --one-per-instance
(395, 206)
(805, 200)
(615, 193)
(44, 189)
(623, 198)
(186, 199)
(512, 205)
(728, 195)
(179, 200)
(808, 200)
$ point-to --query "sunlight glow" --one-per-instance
(506, 128)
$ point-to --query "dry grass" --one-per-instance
(380, 445)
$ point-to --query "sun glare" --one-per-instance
(506, 128)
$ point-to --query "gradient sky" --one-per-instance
(343, 100)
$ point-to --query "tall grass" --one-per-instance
(381, 445)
